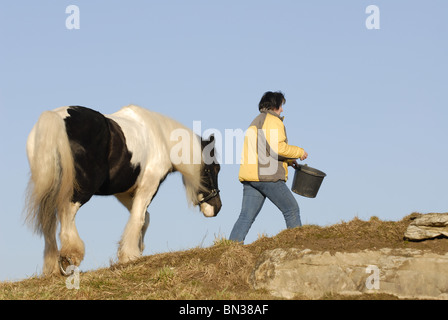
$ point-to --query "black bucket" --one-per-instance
(307, 181)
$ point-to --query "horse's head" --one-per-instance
(209, 199)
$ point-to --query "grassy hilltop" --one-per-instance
(220, 271)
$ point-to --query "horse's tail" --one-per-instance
(52, 178)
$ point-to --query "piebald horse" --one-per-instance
(75, 152)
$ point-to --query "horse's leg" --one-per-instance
(126, 199)
(51, 253)
(144, 228)
(129, 244)
(72, 247)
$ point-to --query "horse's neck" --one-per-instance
(174, 135)
(183, 139)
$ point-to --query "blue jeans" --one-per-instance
(254, 195)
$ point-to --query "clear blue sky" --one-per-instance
(369, 106)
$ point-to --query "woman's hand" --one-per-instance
(295, 164)
(305, 155)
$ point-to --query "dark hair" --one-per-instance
(272, 100)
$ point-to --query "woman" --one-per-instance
(264, 167)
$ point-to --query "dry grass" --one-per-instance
(218, 272)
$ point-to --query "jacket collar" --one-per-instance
(272, 113)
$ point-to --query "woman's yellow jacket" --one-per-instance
(266, 151)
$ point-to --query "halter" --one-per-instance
(214, 192)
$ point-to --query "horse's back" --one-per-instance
(148, 134)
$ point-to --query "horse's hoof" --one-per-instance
(64, 263)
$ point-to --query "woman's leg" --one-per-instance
(280, 195)
(252, 203)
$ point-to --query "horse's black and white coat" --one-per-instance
(102, 160)
(76, 152)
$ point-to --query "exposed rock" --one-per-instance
(405, 273)
(428, 226)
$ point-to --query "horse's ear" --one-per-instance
(208, 147)
(209, 140)
(212, 143)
